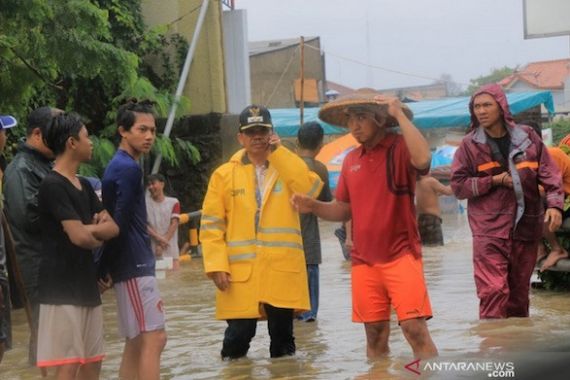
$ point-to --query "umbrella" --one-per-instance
(333, 154)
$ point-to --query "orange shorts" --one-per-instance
(399, 284)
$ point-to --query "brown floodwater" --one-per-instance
(333, 347)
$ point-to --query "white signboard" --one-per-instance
(546, 18)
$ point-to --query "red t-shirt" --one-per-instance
(379, 184)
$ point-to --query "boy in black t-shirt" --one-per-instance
(73, 223)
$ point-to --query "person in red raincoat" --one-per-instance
(498, 168)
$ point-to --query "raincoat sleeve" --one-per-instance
(295, 173)
(550, 178)
(464, 183)
(213, 227)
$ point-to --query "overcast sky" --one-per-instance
(422, 38)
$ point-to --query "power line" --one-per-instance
(384, 68)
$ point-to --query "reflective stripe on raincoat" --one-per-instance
(266, 262)
(499, 211)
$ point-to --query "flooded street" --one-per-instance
(333, 347)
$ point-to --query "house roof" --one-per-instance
(421, 92)
(342, 90)
(541, 75)
(262, 47)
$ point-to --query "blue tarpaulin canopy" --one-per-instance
(443, 113)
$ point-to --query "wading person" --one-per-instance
(251, 238)
(129, 257)
(6, 122)
(428, 191)
(376, 189)
(562, 161)
(310, 141)
(22, 181)
(163, 216)
(498, 168)
(73, 223)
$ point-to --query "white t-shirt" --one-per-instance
(159, 215)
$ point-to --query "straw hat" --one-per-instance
(362, 100)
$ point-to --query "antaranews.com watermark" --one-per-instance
(493, 369)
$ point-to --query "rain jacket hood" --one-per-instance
(496, 91)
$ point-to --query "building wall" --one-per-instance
(566, 104)
(267, 68)
(205, 86)
(558, 96)
(237, 58)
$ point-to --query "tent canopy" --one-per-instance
(443, 113)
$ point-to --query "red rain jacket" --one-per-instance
(501, 212)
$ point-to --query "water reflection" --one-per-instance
(333, 347)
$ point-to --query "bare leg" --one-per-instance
(130, 359)
(66, 372)
(89, 371)
(152, 344)
(553, 258)
(377, 334)
(556, 253)
(416, 332)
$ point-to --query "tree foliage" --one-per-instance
(87, 56)
(494, 76)
(560, 129)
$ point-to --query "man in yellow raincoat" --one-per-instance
(251, 238)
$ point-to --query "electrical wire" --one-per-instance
(383, 68)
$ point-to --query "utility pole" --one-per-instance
(302, 75)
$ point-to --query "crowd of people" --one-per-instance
(259, 228)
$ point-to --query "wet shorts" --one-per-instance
(70, 334)
(430, 229)
(139, 306)
(398, 284)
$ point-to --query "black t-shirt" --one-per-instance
(504, 145)
(67, 272)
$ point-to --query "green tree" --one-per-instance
(87, 56)
(560, 129)
(495, 76)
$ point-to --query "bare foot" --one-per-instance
(553, 258)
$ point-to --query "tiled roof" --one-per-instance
(541, 75)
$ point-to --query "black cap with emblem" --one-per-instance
(253, 116)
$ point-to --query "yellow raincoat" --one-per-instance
(266, 262)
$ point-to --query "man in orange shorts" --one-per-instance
(376, 189)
